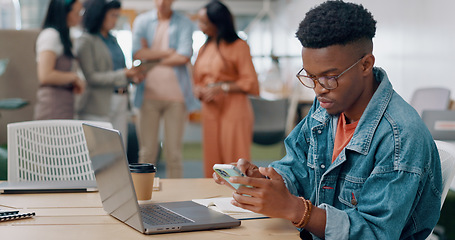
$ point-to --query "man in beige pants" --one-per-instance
(165, 37)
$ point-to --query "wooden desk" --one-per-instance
(81, 216)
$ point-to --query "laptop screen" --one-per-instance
(112, 174)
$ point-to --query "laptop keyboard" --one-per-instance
(157, 215)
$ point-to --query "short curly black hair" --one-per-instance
(335, 23)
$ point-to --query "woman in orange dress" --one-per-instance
(224, 76)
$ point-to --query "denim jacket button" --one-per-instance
(319, 131)
(322, 166)
(354, 201)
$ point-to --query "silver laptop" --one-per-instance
(119, 198)
(48, 186)
(441, 124)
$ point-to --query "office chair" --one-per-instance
(441, 124)
(430, 99)
(447, 155)
(269, 120)
(49, 150)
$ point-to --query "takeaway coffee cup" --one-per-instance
(143, 175)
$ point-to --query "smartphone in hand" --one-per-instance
(226, 171)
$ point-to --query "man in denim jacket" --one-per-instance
(362, 164)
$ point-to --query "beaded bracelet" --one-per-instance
(306, 215)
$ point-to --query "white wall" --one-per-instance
(414, 43)
(192, 6)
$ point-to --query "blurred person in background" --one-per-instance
(224, 76)
(164, 37)
(58, 83)
(103, 63)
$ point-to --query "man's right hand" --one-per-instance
(248, 168)
(145, 53)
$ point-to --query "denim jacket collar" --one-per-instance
(371, 117)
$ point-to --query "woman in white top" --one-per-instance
(55, 97)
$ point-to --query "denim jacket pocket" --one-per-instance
(350, 191)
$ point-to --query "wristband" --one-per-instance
(306, 214)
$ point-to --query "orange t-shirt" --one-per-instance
(343, 135)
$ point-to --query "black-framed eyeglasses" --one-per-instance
(327, 82)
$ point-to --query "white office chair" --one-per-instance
(447, 155)
(49, 150)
